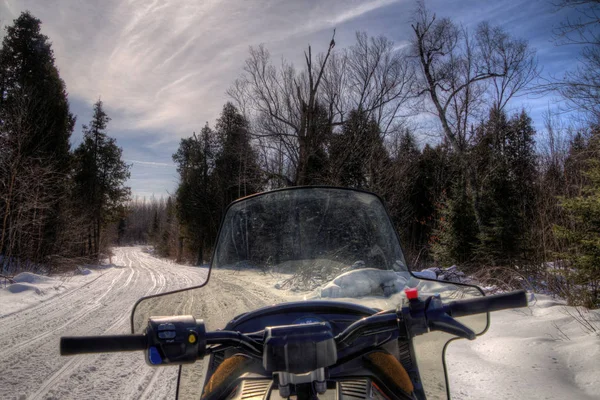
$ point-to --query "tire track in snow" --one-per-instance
(78, 315)
(33, 368)
(48, 303)
(72, 365)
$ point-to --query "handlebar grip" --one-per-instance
(485, 304)
(71, 345)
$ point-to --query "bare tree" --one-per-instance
(294, 111)
(459, 72)
(286, 101)
(581, 86)
(373, 76)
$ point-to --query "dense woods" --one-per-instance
(55, 203)
(431, 127)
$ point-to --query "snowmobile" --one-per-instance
(350, 320)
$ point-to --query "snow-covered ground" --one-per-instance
(539, 352)
(535, 353)
(32, 321)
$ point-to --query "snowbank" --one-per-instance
(28, 277)
(540, 352)
(364, 282)
(23, 287)
(30, 289)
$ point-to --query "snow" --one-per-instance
(97, 303)
(537, 352)
(22, 287)
(32, 289)
(426, 274)
(363, 282)
(28, 277)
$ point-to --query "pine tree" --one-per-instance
(317, 161)
(455, 237)
(100, 175)
(507, 171)
(197, 206)
(165, 246)
(581, 227)
(358, 157)
(236, 168)
(35, 128)
(27, 71)
(403, 198)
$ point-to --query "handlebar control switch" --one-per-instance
(414, 315)
(175, 340)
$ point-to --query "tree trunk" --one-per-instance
(180, 249)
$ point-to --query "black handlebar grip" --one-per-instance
(485, 304)
(71, 345)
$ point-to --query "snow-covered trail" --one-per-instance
(30, 364)
(532, 353)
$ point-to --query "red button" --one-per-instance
(411, 293)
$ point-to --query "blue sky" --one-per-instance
(162, 66)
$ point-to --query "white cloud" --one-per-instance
(150, 163)
(164, 65)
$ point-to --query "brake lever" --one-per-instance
(422, 316)
(439, 320)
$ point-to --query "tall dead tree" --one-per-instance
(580, 87)
(460, 72)
(286, 101)
(293, 112)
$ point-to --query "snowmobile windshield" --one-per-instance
(309, 237)
(302, 244)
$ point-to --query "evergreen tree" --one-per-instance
(27, 71)
(165, 246)
(197, 206)
(455, 237)
(100, 175)
(317, 162)
(507, 172)
(358, 157)
(403, 198)
(35, 128)
(582, 234)
(236, 167)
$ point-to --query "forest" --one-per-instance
(431, 127)
(55, 202)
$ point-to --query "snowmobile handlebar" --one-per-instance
(70, 345)
(480, 305)
(184, 339)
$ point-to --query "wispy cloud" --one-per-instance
(150, 163)
(166, 64)
(361, 9)
(162, 66)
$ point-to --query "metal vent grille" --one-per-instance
(405, 360)
(355, 388)
(255, 389)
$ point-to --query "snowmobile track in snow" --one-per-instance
(30, 366)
